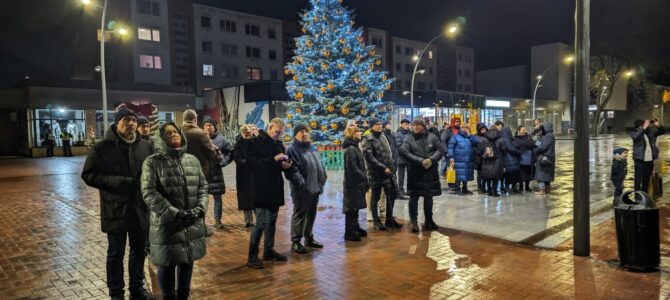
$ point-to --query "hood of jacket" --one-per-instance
(350, 143)
(161, 146)
(452, 125)
(479, 128)
(507, 133)
(548, 127)
(493, 134)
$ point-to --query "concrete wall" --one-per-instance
(503, 82)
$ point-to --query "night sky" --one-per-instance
(37, 35)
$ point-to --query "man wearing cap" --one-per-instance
(144, 128)
(217, 186)
(378, 157)
(114, 167)
(400, 135)
(200, 146)
(422, 151)
(309, 176)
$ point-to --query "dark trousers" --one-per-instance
(402, 170)
(115, 252)
(618, 188)
(166, 280)
(67, 151)
(481, 183)
(266, 223)
(351, 221)
(50, 150)
(427, 208)
(511, 179)
(643, 171)
(492, 186)
(374, 202)
(461, 185)
(304, 214)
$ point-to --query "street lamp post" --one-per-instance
(103, 80)
(568, 59)
(452, 30)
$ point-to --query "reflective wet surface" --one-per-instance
(52, 246)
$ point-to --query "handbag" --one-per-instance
(545, 161)
(451, 174)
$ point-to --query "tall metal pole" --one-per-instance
(537, 85)
(103, 80)
(581, 144)
(416, 66)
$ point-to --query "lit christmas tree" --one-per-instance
(333, 75)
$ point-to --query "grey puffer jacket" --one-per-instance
(172, 180)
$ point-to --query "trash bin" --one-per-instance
(637, 231)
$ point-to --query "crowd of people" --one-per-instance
(155, 187)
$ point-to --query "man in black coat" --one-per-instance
(422, 151)
(380, 167)
(644, 150)
(267, 162)
(400, 135)
(114, 167)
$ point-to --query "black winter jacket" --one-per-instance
(416, 148)
(302, 155)
(511, 152)
(267, 183)
(639, 145)
(217, 184)
(492, 167)
(356, 181)
(114, 167)
(243, 174)
(377, 153)
(619, 170)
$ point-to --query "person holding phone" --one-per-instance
(645, 150)
(307, 182)
(266, 161)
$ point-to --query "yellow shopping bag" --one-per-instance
(451, 174)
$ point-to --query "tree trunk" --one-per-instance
(596, 121)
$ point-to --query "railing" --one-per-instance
(332, 157)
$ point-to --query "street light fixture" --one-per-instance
(86, 2)
(450, 31)
(567, 60)
(122, 31)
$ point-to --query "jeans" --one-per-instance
(304, 214)
(218, 206)
(115, 252)
(266, 222)
(374, 202)
(351, 221)
(427, 209)
(402, 170)
(166, 280)
(643, 171)
(248, 216)
(67, 151)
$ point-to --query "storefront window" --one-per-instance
(490, 116)
(99, 122)
(58, 121)
(164, 116)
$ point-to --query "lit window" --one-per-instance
(430, 54)
(150, 62)
(254, 73)
(207, 70)
(147, 34)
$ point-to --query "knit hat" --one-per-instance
(386, 122)
(122, 113)
(210, 121)
(419, 121)
(404, 121)
(299, 127)
(373, 122)
(142, 120)
(620, 150)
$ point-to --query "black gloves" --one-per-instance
(189, 215)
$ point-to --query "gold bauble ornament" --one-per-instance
(287, 138)
(358, 56)
(372, 52)
(298, 109)
(289, 116)
(363, 89)
(330, 108)
(324, 127)
(295, 77)
(299, 59)
(346, 50)
(310, 69)
(388, 86)
(380, 95)
(341, 40)
(322, 89)
(340, 66)
(378, 62)
(371, 66)
(286, 72)
(304, 30)
(344, 110)
(313, 124)
(356, 79)
(331, 86)
(333, 126)
(339, 1)
(308, 43)
(364, 111)
(326, 53)
(315, 19)
(360, 39)
(289, 125)
(325, 66)
(384, 77)
(337, 142)
(298, 95)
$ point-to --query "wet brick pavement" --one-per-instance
(53, 249)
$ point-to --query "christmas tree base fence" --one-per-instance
(332, 157)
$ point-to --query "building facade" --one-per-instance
(403, 51)
(456, 69)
